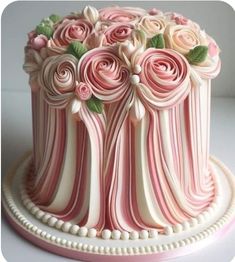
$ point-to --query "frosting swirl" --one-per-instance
(121, 14)
(58, 77)
(117, 32)
(164, 78)
(105, 73)
(152, 25)
(67, 31)
(183, 38)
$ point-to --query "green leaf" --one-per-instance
(77, 49)
(44, 30)
(54, 18)
(197, 55)
(46, 22)
(95, 105)
(157, 41)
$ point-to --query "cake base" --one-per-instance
(97, 249)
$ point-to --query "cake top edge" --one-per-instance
(97, 55)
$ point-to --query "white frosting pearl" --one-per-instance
(168, 230)
(39, 214)
(52, 221)
(177, 228)
(186, 225)
(135, 79)
(59, 224)
(45, 218)
(134, 235)
(125, 235)
(144, 234)
(34, 210)
(116, 234)
(200, 219)
(153, 233)
(66, 227)
(74, 229)
(30, 205)
(106, 234)
(193, 222)
(82, 232)
(92, 232)
(137, 69)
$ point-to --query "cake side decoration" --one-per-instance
(124, 94)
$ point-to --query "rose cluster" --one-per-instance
(101, 56)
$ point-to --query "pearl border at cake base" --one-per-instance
(202, 232)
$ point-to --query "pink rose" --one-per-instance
(155, 11)
(213, 48)
(180, 20)
(67, 31)
(105, 73)
(164, 77)
(58, 78)
(83, 91)
(70, 30)
(38, 42)
(121, 14)
(118, 32)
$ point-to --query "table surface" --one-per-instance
(17, 137)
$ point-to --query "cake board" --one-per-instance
(161, 248)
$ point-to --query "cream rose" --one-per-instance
(105, 73)
(58, 77)
(152, 25)
(183, 38)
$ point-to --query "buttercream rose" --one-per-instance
(58, 77)
(36, 41)
(116, 33)
(83, 91)
(105, 73)
(164, 78)
(152, 25)
(183, 38)
(67, 31)
(121, 14)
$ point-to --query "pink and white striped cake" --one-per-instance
(121, 120)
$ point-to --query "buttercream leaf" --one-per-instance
(54, 18)
(76, 105)
(95, 105)
(44, 30)
(197, 55)
(47, 22)
(157, 41)
(77, 49)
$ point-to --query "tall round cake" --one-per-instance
(121, 123)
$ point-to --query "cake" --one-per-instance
(121, 123)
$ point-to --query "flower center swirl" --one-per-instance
(105, 73)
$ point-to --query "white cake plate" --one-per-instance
(96, 249)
